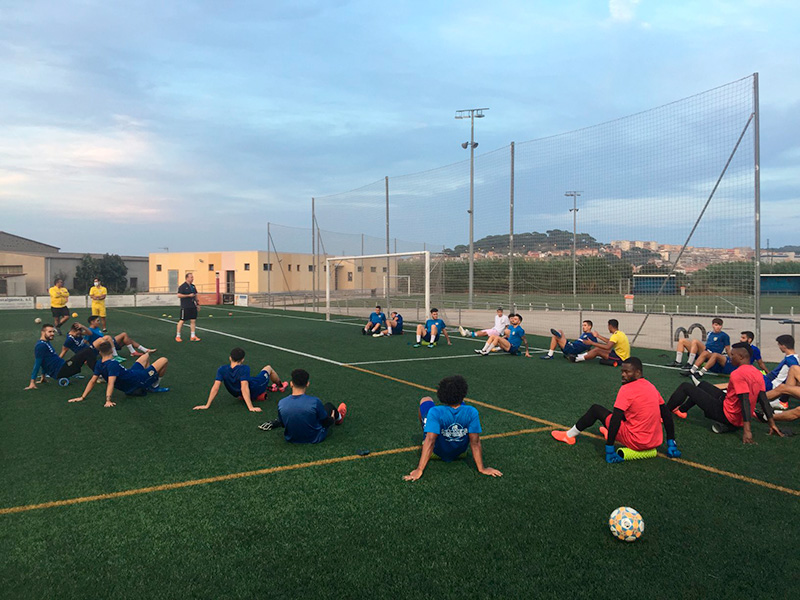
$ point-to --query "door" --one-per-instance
(172, 280)
(230, 282)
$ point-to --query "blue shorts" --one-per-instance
(575, 347)
(613, 356)
(427, 337)
(147, 377)
(767, 383)
(725, 369)
(513, 350)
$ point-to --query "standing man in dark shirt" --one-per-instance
(188, 295)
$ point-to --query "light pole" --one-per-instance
(574, 211)
(471, 114)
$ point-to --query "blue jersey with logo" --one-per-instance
(95, 334)
(452, 424)
(717, 342)
(579, 345)
(45, 358)
(376, 318)
(439, 325)
(128, 381)
(399, 327)
(302, 418)
(515, 333)
(76, 344)
(232, 379)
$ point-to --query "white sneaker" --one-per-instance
(478, 351)
(377, 335)
(462, 331)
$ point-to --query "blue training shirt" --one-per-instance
(515, 333)
(452, 424)
(717, 342)
(45, 358)
(399, 327)
(440, 326)
(302, 418)
(128, 380)
(76, 344)
(376, 318)
(232, 379)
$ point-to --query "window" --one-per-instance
(246, 266)
(289, 267)
(310, 268)
(384, 269)
(158, 268)
(349, 276)
(298, 267)
(210, 266)
(268, 266)
(360, 269)
(373, 269)
(325, 268)
(134, 283)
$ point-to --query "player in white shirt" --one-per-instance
(500, 323)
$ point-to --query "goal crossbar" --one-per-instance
(328, 260)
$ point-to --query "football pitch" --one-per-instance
(151, 499)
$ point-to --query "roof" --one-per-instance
(11, 243)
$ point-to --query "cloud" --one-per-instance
(622, 10)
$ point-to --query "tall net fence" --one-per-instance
(654, 213)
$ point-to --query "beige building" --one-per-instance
(256, 271)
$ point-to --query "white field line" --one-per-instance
(399, 360)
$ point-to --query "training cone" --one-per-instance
(628, 454)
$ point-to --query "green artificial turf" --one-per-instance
(355, 528)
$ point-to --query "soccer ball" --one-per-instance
(74, 315)
(626, 524)
(37, 320)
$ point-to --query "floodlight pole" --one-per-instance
(471, 113)
(574, 211)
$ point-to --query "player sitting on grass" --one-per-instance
(636, 420)
(46, 359)
(394, 326)
(140, 379)
(717, 341)
(500, 323)
(514, 337)
(729, 409)
(611, 350)
(574, 347)
(429, 333)
(118, 341)
(450, 428)
(376, 319)
(783, 379)
(304, 418)
(74, 340)
(721, 363)
(241, 385)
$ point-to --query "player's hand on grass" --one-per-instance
(78, 399)
(747, 438)
(774, 429)
(109, 404)
(414, 475)
(31, 386)
(255, 409)
(612, 456)
(200, 407)
(527, 354)
(491, 471)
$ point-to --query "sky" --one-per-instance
(134, 127)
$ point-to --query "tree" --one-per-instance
(110, 269)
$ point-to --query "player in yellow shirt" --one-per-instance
(59, 295)
(98, 295)
(612, 350)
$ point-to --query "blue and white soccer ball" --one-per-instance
(626, 524)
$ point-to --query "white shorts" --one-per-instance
(492, 331)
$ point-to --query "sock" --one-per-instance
(580, 357)
(691, 358)
(678, 356)
(549, 353)
(131, 349)
(114, 350)
(142, 349)
(193, 335)
(419, 338)
(703, 371)
(178, 335)
(693, 369)
(486, 347)
(389, 329)
(573, 432)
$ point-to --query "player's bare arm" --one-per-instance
(246, 396)
(477, 456)
(87, 389)
(211, 395)
(427, 451)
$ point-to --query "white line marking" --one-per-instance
(398, 360)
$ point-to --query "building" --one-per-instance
(28, 267)
(258, 271)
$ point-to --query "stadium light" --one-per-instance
(471, 114)
(574, 211)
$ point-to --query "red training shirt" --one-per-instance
(744, 380)
(641, 402)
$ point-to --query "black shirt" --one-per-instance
(187, 288)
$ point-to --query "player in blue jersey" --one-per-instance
(304, 418)
(718, 339)
(394, 326)
(721, 363)
(784, 380)
(241, 385)
(514, 338)
(574, 347)
(376, 319)
(717, 342)
(51, 364)
(74, 341)
(428, 334)
(450, 427)
(95, 334)
(140, 379)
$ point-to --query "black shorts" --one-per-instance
(60, 312)
(187, 314)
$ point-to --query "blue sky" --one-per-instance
(128, 127)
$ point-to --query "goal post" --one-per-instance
(332, 262)
(387, 279)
